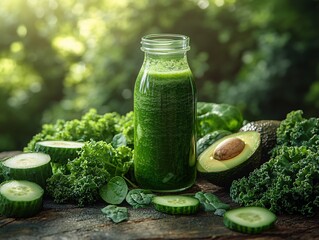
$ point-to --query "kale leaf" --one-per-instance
(289, 181)
(97, 164)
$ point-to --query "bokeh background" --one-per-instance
(59, 58)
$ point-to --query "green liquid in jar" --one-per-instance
(164, 130)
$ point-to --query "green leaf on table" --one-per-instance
(139, 198)
(210, 202)
(220, 212)
(114, 192)
(115, 213)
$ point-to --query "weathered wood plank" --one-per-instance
(71, 222)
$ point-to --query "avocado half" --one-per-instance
(222, 172)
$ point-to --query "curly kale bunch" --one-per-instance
(108, 152)
(92, 126)
(289, 181)
(82, 178)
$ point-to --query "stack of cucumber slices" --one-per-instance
(21, 195)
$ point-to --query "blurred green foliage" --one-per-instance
(59, 58)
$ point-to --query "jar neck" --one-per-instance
(165, 44)
(165, 52)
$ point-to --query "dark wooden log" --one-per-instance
(71, 222)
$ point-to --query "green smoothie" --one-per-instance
(164, 134)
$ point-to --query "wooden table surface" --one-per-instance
(71, 222)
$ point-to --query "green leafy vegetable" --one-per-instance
(210, 202)
(289, 181)
(97, 164)
(114, 192)
(107, 153)
(119, 140)
(92, 126)
(139, 198)
(125, 125)
(212, 116)
(115, 213)
(220, 212)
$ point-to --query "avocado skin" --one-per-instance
(267, 130)
(225, 178)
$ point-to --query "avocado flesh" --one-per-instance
(223, 172)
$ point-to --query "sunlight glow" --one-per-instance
(203, 4)
(16, 47)
(68, 45)
(91, 27)
(78, 73)
(219, 3)
(22, 31)
(19, 80)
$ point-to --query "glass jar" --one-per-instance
(164, 116)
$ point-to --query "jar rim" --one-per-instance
(165, 43)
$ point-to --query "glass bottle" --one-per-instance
(164, 116)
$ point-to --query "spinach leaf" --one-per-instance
(119, 140)
(210, 202)
(115, 213)
(114, 192)
(212, 116)
(139, 198)
(220, 212)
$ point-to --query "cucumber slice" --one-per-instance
(176, 204)
(19, 198)
(249, 219)
(34, 167)
(60, 151)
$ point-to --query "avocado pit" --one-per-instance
(228, 149)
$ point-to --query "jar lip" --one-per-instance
(165, 43)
